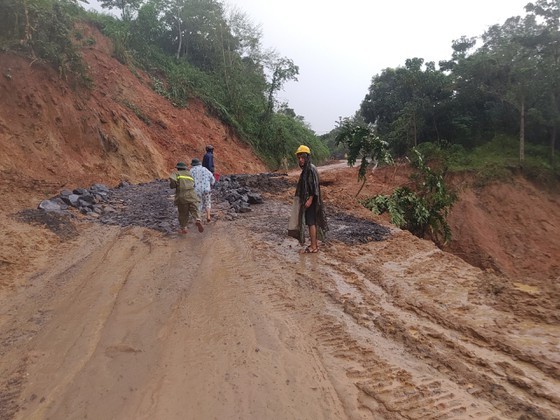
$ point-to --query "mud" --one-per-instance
(126, 320)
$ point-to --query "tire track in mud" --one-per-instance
(459, 358)
(446, 369)
(87, 310)
(389, 386)
(491, 358)
(92, 307)
(242, 360)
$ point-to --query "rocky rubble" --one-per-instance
(151, 205)
(85, 200)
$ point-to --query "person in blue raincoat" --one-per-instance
(208, 158)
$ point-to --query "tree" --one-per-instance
(148, 29)
(42, 28)
(471, 77)
(547, 46)
(206, 33)
(127, 8)
(422, 210)
(282, 70)
(406, 103)
(511, 46)
(363, 143)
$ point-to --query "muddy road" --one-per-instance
(127, 322)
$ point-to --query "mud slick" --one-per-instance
(127, 320)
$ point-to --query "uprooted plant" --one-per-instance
(363, 143)
(422, 210)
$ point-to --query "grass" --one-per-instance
(498, 160)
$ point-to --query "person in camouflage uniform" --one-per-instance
(186, 199)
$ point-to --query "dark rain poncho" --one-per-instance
(308, 185)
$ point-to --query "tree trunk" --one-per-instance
(180, 36)
(273, 87)
(436, 128)
(231, 99)
(522, 133)
(553, 143)
(28, 29)
(415, 130)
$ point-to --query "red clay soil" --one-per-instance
(56, 137)
(389, 329)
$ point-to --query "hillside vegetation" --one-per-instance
(125, 97)
(503, 84)
(189, 50)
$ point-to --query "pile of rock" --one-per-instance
(92, 201)
(233, 189)
(149, 204)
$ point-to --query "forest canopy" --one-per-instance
(505, 83)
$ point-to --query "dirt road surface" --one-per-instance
(234, 323)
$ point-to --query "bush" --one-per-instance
(46, 33)
(424, 211)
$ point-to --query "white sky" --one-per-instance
(340, 46)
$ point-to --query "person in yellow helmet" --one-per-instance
(303, 149)
(186, 200)
(309, 209)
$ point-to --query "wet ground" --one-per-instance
(127, 319)
(150, 205)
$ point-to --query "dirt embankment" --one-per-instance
(125, 322)
(56, 136)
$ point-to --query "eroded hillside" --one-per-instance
(56, 136)
(122, 321)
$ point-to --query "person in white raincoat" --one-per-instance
(203, 182)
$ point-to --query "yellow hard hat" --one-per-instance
(303, 149)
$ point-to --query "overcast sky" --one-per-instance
(340, 45)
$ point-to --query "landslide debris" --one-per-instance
(150, 205)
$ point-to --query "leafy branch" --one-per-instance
(424, 211)
(363, 143)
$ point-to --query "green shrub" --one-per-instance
(423, 211)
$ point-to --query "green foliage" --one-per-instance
(422, 210)
(191, 49)
(363, 143)
(42, 29)
(281, 138)
(126, 8)
(505, 82)
(496, 160)
(119, 32)
(283, 70)
(407, 104)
